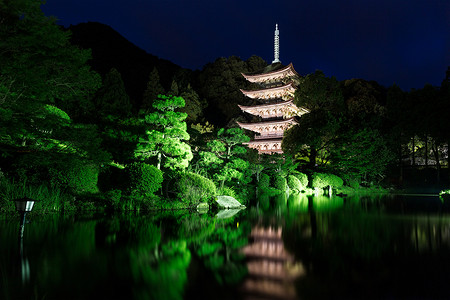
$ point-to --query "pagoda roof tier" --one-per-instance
(273, 75)
(266, 146)
(269, 128)
(284, 109)
(284, 92)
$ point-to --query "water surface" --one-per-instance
(296, 248)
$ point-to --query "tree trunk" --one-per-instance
(426, 150)
(413, 150)
(159, 160)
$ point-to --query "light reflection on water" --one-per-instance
(289, 248)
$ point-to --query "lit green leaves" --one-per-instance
(165, 134)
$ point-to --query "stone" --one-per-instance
(228, 202)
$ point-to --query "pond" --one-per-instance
(297, 248)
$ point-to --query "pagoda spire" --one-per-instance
(277, 45)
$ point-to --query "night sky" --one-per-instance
(406, 42)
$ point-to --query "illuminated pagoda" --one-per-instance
(276, 107)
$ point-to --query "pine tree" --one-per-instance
(194, 106)
(165, 134)
(112, 99)
(154, 88)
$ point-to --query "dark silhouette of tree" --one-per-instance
(154, 88)
(112, 99)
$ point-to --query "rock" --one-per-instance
(202, 207)
(227, 213)
(228, 202)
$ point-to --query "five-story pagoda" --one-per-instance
(276, 108)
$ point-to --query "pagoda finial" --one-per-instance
(277, 45)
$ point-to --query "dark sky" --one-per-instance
(406, 42)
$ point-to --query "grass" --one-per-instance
(47, 199)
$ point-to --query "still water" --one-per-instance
(296, 248)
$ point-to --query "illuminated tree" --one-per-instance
(224, 158)
(38, 68)
(165, 133)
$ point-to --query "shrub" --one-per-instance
(280, 183)
(145, 179)
(194, 188)
(83, 179)
(294, 183)
(264, 181)
(303, 178)
(227, 191)
(77, 177)
(335, 181)
(319, 180)
(353, 183)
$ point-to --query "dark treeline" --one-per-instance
(360, 129)
(122, 122)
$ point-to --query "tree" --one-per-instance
(361, 153)
(194, 106)
(224, 156)
(165, 133)
(39, 71)
(220, 82)
(313, 137)
(154, 88)
(112, 99)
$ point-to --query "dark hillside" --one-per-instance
(111, 50)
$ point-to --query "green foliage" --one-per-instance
(165, 133)
(303, 179)
(294, 183)
(362, 153)
(224, 161)
(316, 91)
(194, 106)
(444, 192)
(83, 179)
(167, 279)
(38, 68)
(319, 180)
(194, 188)
(227, 191)
(335, 181)
(112, 99)
(322, 180)
(281, 183)
(154, 88)
(145, 179)
(47, 199)
(220, 81)
(264, 182)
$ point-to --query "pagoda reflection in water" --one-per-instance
(272, 269)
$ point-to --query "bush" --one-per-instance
(353, 183)
(280, 183)
(83, 179)
(294, 183)
(303, 178)
(194, 188)
(145, 179)
(335, 181)
(227, 191)
(319, 180)
(264, 182)
(78, 178)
